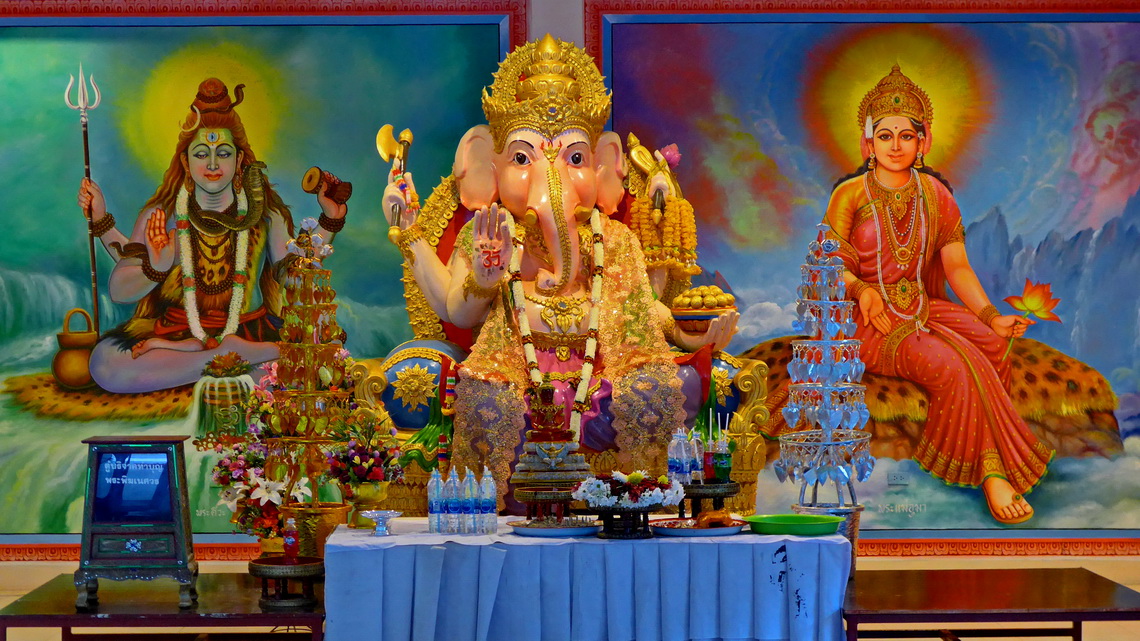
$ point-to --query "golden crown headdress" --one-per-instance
(895, 95)
(548, 86)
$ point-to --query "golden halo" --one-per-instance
(152, 117)
(939, 59)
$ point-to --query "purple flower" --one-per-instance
(672, 154)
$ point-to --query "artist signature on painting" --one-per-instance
(909, 509)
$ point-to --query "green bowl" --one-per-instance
(799, 524)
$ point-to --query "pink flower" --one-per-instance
(270, 377)
(672, 155)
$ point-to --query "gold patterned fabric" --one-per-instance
(633, 355)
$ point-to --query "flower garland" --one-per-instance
(189, 280)
(518, 300)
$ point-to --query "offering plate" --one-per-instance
(688, 527)
(536, 528)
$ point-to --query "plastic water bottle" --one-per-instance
(679, 457)
(453, 495)
(698, 451)
(488, 503)
(436, 506)
(470, 504)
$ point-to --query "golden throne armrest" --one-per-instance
(369, 376)
(744, 428)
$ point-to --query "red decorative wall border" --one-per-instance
(70, 552)
(867, 547)
(516, 9)
(595, 10)
(999, 547)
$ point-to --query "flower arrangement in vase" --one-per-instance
(623, 501)
(252, 497)
(365, 465)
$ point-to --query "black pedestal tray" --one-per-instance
(273, 570)
(542, 502)
(718, 492)
(625, 523)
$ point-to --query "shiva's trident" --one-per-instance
(83, 107)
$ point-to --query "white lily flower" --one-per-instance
(301, 490)
(267, 491)
(231, 495)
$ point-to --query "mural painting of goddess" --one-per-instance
(902, 242)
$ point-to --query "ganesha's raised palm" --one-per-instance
(491, 246)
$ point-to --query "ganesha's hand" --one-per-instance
(719, 333)
(722, 329)
(91, 200)
(330, 207)
(491, 246)
(394, 201)
(159, 241)
(873, 311)
(1011, 326)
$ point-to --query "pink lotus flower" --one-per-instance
(672, 155)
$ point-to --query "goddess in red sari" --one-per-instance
(902, 240)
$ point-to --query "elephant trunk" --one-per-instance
(561, 240)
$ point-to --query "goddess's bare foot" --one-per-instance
(1006, 505)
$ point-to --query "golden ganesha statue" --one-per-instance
(546, 259)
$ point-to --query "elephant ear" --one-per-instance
(609, 163)
(474, 168)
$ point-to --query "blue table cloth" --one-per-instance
(415, 586)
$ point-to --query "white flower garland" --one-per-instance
(596, 493)
(519, 301)
(189, 279)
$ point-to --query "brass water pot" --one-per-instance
(71, 365)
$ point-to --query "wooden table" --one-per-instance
(224, 600)
(1073, 595)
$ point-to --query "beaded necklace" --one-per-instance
(518, 301)
(920, 215)
(190, 281)
(900, 243)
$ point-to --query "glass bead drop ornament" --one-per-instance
(825, 445)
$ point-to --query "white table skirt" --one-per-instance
(415, 586)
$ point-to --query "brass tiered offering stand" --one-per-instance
(315, 399)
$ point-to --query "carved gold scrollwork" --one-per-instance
(752, 382)
(751, 450)
(368, 374)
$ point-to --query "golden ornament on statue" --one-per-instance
(561, 89)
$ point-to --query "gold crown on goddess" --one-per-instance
(895, 95)
(548, 86)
